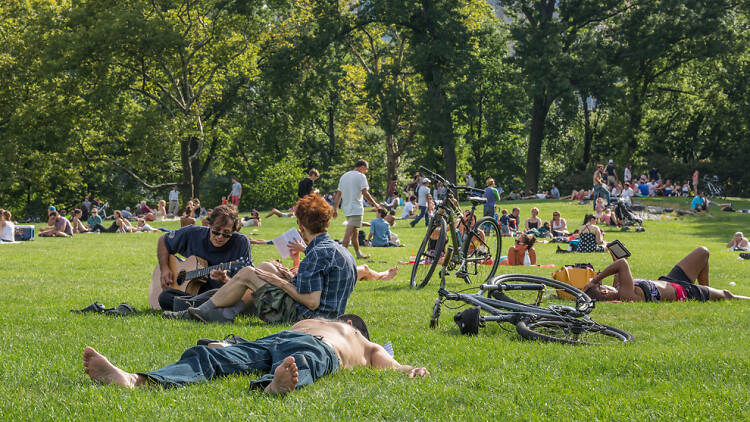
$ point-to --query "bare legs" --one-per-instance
(242, 285)
(695, 265)
(101, 370)
(285, 377)
(352, 234)
(277, 213)
(365, 273)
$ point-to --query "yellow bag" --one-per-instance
(576, 277)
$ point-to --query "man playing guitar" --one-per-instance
(219, 243)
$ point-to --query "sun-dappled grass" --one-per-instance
(687, 360)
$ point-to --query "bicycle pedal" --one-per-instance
(461, 274)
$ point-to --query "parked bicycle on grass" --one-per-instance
(474, 249)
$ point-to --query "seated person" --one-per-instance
(515, 219)
(699, 203)
(253, 220)
(123, 224)
(188, 216)
(380, 231)
(216, 244)
(291, 359)
(320, 288)
(505, 223)
(280, 214)
(114, 228)
(126, 213)
(676, 286)
(533, 222)
(393, 203)
(524, 243)
(7, 228)
(558, 225)
(60, 226)
(610, 218)
(75, 222)
(739, 243)
(408, 211)
(94, 219)
(160, 214)
(143, 209)
(590, 235)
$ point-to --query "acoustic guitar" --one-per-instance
(188, 275)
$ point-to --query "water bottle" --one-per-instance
(526, 259)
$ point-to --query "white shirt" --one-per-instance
(350, 186)
(627, 194)
(627, 176)
(8, 233)
(422, 192)
(469, 181)
(174, 195)
(236, 189)
(408, 209)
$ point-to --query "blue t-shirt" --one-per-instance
(643, 188)
(381, 232)
(194, 241)
(697, 201)
(329, 268)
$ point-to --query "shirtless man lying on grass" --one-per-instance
(292, 358)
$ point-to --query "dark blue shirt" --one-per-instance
(194, 241)
(329, 268)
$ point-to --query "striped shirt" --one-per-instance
(329, 268)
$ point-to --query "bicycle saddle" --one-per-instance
(477, 199)
(468, 321)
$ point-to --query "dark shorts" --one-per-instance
(694, 291)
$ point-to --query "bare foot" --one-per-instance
(285, 377)
(100, 370)
(390, 274)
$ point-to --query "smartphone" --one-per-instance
(618, 249)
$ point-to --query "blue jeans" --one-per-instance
(422, 213)
(600, 191)
(314, 358)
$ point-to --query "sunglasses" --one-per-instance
(218, 233)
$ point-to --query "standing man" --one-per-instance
(236, 192)
(611, 174)
(422, 191)
(86, 207)
(306, 186)
(174, 200)
(352, 187)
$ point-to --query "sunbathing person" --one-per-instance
(676, 286)
(292, 358)
(280, 214)
(739, 243)
(252, 221)
(524, 243)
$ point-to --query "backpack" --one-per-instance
(577, 275)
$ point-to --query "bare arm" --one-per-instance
(336, 201)
(380, 359)
(370, 198)
(163, 256)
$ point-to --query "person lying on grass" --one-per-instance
(677, 286)
(292, 358)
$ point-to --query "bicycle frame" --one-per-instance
(446, 210)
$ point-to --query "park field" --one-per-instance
(687, 361)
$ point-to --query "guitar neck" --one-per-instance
(204, 272)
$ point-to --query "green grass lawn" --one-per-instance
(687, 360)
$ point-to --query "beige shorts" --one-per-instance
(354, 221)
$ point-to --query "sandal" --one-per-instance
(95, 307)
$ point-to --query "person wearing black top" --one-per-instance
(306, 185)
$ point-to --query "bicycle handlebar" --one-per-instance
(448, 184)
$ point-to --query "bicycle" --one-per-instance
(713, 188)
(555, 323)
(476, 253)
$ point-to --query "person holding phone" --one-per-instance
(677, 286)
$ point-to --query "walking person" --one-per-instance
(492, 195)
(422, 191)
(352, 188)
(307, 185)
(174, 201)
(236, 192)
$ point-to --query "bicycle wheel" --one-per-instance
(571, 332)
(429, 253)
(482, 249)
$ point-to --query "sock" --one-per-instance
(208, 305)
(232, 311)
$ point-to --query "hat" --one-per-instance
(610, 161)
(52, 208)
(425, 180)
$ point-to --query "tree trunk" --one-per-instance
(392, 157)
(331, 135)
(635, 115)
(440, 123)
(538, 117)
(588, 134)
(190, 168)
